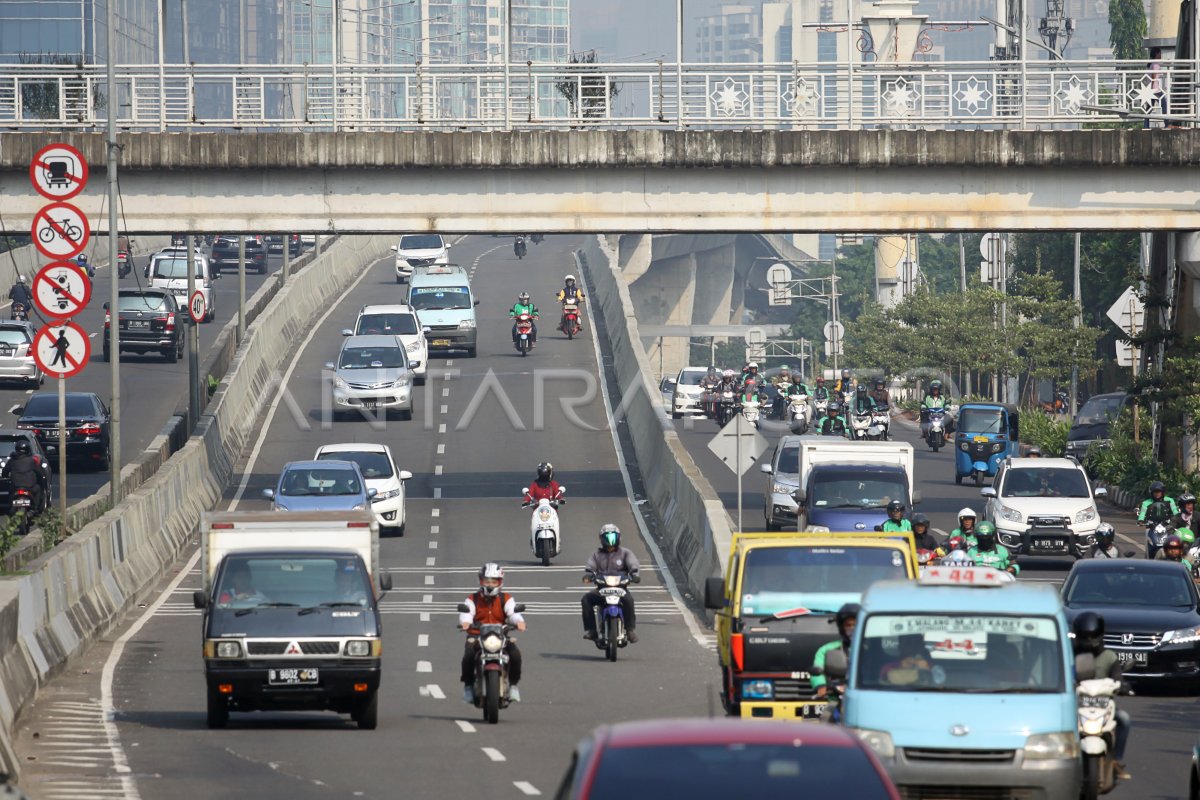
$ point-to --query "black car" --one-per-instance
(1091, 425)
(8, 444)
(274, 243)
(87, 426)
(224, 254)
(1151, 616)
(147, 320)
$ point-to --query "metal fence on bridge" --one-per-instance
(1021, 95)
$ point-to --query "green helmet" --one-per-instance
(985, 535)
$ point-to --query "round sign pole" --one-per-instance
(62, 451)
(61, 349)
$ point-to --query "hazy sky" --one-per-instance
(634, 30)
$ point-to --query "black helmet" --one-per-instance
(919, 519)
(610, 537)
(879, 383)
(861, 389)
(1186, 497)
(545, 471)
(985, 536)
(848, 611)
(895, 507)
(23, 448)
(834, 407)
(1157, 486)
(1173, 547)
(1105, 534)
(1089, 632)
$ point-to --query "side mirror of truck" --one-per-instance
(916, 497)
(385, 581)
(800, 496)
(463, 608)
(836, 665)
(1085, 667)
(766, 469)
(200, 598)
(714, 593)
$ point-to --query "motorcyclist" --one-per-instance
(1187, 513)
(846, 620)
(20, 293)
(1105, 546)
(544, 487)
(1173, 550)
(1158, 494)
(519, 247)
(933, 400)
(796, 386)
(923, 537)
(750, 371)
(781, 381)
(880, 394)
(570, 293)
(966, 527)
(1088, 628)
(708, 385)
(820, 392)
(895, 523)
(489, 605)
(23, 471)
(750, 393)
(833, 424)
(524, 306)
(610, 559)
(844, 385)
(863, 402)
(987, 553)
(81, 261)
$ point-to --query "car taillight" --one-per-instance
(169, 321)
(107, 318)
(90, 430)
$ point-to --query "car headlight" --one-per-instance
(1010, 514)
(1087, 515)
(758, 690)
(1046, 746)
(359, 507)
(389, 494)
(880, 742)
(492, 644)
(339, 383)
(358, 648)
(414, 347)
(1181, 636)
(782, 488)
(466, 325)
(404, 380)
(229, 650)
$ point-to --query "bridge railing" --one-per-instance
(969, 95)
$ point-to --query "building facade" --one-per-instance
(66, 31)
(733, 35)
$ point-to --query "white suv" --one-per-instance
(396, 319)
(379, 471)
(419, 250)
(1043, 507)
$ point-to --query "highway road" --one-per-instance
(469, 459)
(151, 389)
(1160, 746)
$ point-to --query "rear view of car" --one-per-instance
(148, 320)
(16, 353)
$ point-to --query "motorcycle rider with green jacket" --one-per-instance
(987, 553)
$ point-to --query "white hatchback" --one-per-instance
(396, 319)
(379, 470)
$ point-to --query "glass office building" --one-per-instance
(58, 31)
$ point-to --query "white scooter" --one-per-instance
(881, 424)
(544, 537)
(822, 409)
(1098, 734)
(860, 423)
(751, 411)
(798, 413)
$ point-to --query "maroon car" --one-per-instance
(723, 759)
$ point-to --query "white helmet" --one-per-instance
(569, 279)
(967, 512)
(491, 571)
(728, 373)
(752, 365)
(21, 279)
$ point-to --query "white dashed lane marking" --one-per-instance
(464, 726)
(493, 754)
(527, 788)
(432, 690)
(424, 666)
(423, 640)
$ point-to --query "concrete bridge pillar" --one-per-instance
(664, 295)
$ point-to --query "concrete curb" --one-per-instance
(72, 595)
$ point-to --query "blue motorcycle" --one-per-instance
(610, 617)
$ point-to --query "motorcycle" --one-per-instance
(519, 248)
(570, 319)
(544, 538)
(860, 421)
(1158, 517)
(881, 424)
(491, 666)
(610, 617)
(1097, 734)
(725, 406)
(19, 312)
(822, 409)
(124, 264)
(751, 410)
(537, 238)
(936, 438)
(798, 411)
(22, 508)
(524, 342)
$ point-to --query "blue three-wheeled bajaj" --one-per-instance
(986, 434)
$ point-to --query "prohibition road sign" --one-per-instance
(58, 172)
(61, 349)
(196, 306)
(61, 289)
(60, 230)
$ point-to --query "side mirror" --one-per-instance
(1101, 492)
(200, 598)
(414, 364)
(405, 475)
(916, 497)
(800, 496)
(372, 492)
(329, 365)
(463, 608)
(426, 330)
(1129, 553)
(714, 593)
(106, 305)
(18, 411)
(836, 665)
(476, 302)
(562, 489)
(268, 494)
(347, 332)
(519, 607)
(385, 581)
(393, 248)
(990, 491)
(449, 245)
(1085, 666)
(766, 469)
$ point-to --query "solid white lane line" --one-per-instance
(429, 562)
(429, 580)
(464, 726)
(441, 449)
(527, 788)
(493, 754)
(437, 468)
(423, 640)
(424, 666)
(437, 493)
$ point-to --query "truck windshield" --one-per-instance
(777, 579)
(284, 582)
(977, 653)
(847, 490)
(982, 420)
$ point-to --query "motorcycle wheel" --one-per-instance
(545, 552)
(571, 332)
(491, 697)
(1091, 778)
(613, 631)
(978, 479)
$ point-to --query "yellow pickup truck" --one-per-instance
(775, 606)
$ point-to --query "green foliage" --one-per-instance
(1133, 467)
(50, 523)
(1127, 19)
(1176, 388)
(1045, 432)
(584, 90)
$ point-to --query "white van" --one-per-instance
(168, 271)
(400, 320)
(419, 250)
(445, 305)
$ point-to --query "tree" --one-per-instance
(1127, 19)
(585, 87)
(40, 100)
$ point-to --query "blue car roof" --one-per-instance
(1011, 598)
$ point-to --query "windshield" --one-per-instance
(314, 481)
(691, 377)
(372, 358)
(439, 298)
(424, 241)
(776, 579)
(13, 336)
(846, 490)
(392, 324)
(175, 268)
(1045, 482)
(1129, 587)
(789, 460)
(981, 420)
(737, 769)
(990, 654)
(372, 465)
(304, 582)
(46, 405)
(1099, 410)
(142, 302)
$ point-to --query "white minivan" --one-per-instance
(419, 250)
(445, 305)
(169, 271)
(395, 319)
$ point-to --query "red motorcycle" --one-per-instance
(524, 340)
(570, 319)
(124, 264)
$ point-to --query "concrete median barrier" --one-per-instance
(695, 526)
(67, 598)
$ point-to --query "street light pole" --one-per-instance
(114, 312)
(162, 68)
(1078, 322)
(679, 63)
(505, 48)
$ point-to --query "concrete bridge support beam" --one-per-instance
(664, 295)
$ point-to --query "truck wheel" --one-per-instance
(218, 712)
(491, 700)
(368, 714)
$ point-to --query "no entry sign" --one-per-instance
(61, 289)
(58, 172)
(61, 349)
(60, 230)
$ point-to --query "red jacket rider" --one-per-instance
(544, 486)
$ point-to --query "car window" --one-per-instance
(143, 302)
(1127, 587)
(9, 443)
(397, 324)
(1045, 482)
(371, 464)
(789, 460)
(303, 482)
(426, 241)
(13, 336)
(45, 405)
(1099, 410)
(439, 298)
(372, 358)
(175, 268)
(689, 378)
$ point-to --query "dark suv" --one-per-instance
(87, 424)
(147, 319)
(275, 243)
(224, 254)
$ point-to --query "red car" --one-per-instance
(723, 759)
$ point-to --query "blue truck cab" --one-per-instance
(965, 678)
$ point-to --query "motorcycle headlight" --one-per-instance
(781, 488)
(389, 494)
(880, 742)
(1181, 636)
(358, 648)
(1087, 515)
(229, 650)
(466, 324)
(1010, 514)
(492, 644)
(1057, 746)
(758, 690)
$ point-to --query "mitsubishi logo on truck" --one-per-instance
(293, 649)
